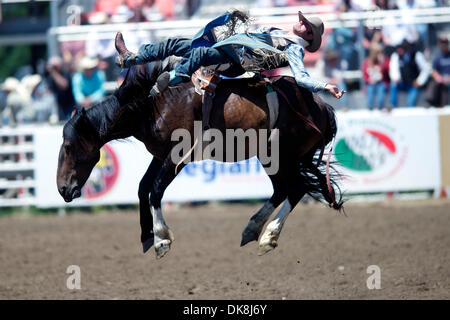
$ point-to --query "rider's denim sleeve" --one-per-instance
(295, 54)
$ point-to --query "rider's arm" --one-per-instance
(295, 54)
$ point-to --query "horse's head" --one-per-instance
(79, 153)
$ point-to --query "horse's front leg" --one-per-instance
(163, 235)
(145, 216)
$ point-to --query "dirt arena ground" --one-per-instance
(321, 254)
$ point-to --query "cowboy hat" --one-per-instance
(10, 84)
(87, 63)
(317, 31)
(30, 81)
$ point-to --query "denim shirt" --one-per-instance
(294, 47)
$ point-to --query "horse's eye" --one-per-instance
(67, 148)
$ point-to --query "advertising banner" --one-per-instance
(375, 152)
(382, 152)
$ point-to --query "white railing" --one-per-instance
(187, 28)
(17, 167)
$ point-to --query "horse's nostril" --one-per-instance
(62, 190)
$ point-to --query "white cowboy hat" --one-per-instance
(30, 81)
(87, 63)
(10, 84)
(98, 18)
(317, 31)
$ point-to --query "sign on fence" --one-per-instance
(376, 152)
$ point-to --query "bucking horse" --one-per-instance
(305, 124)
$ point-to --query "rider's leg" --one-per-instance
(152, 52)
(201, 56)
(161, 50)
(191, 61)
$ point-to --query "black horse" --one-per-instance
(305, 125)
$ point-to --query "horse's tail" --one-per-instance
(321, 181)
(316, 184)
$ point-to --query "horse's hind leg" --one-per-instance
(162, 233)
(272, 232)
(145, 216)
(257, 221)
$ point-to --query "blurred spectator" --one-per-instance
(102, 48)
(87, 84)
(16, 103)
(72, 52)
(151, 11)
(329, 69)
(343, 39)
(167, 8)
(59, 82)
(395, 31)
(408, 71)
(41, 100)
(373, 36)
(422, 29)
(192, 6)
(439, 86)
(375, 70)
(122, 14)
(381, 5)
(350, 6)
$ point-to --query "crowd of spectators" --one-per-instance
(396, 56)
(53, 96)
(122, 11)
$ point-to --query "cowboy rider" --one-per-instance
(306, 35)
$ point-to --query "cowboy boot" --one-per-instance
(166, 79)
(126, 58)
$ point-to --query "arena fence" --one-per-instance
(377, 152)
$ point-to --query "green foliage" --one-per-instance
(15, 10)
(12, 58)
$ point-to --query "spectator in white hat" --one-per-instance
(15, 102)
(87, 84)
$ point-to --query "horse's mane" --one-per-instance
(139, 80)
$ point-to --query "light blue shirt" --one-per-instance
(92, 87)
(295, 52)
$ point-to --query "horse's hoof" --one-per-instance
(268, 240)
(162, 248)
(148, 244)
(249, 235)
(171, 236)
(267, 247)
